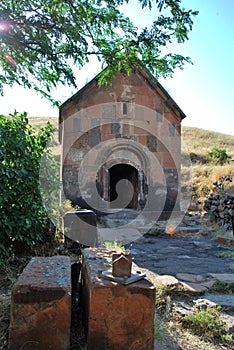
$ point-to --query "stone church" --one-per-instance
(121, 146)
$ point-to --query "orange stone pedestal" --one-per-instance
(40, 316)
(118, 317)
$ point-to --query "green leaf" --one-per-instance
(42, 40)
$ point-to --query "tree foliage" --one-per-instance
(23, 217)
(42, 40)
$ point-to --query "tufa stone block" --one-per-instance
(117, 317)
(40, 313)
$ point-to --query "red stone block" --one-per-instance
(171, 117)
(168, 162)
(106, 129)
(139, 131)
(117, 317)
(108, 137)
(40, 314)
(142, 139)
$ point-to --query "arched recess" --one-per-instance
(123, 160)
(127, 196)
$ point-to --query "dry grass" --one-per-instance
(199, 141)
(204, 171)
(40, 122)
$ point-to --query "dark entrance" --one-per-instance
(123, 186)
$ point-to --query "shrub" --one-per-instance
(207, 322)
(218, 154)
(23, 217)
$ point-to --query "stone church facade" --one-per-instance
(121, 146)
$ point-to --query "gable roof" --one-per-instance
(150, 79)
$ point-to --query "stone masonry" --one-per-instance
(41, 306)
(118, 317)
(127, 131)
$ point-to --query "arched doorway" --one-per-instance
(123, 186)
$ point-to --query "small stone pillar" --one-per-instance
(117, 316)
(40, 316)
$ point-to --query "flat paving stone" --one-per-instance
(166, 280)
(208, 284)
(166, 255)
(225, 300)
(189, 277)
(123, 235)
(224, 277)
(194, 288)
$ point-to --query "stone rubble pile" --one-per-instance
(221, 202)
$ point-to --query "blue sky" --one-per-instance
(204, 91)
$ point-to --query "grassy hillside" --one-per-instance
(39, 122)
(204, 171)
(198, 142)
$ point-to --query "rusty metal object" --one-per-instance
(121, 265)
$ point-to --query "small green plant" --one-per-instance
(208, 322)
(226, 254)
(218, 154)
(114, 245)
(220, 287)
(228, 338)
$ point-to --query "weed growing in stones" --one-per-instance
(207, 322)
(220, 287)
(225, 254)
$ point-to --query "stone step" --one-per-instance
(189, 229)
(121, 235)
(116, 222)
(122, 213)
(122, 217)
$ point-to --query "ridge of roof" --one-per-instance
(152, 81)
